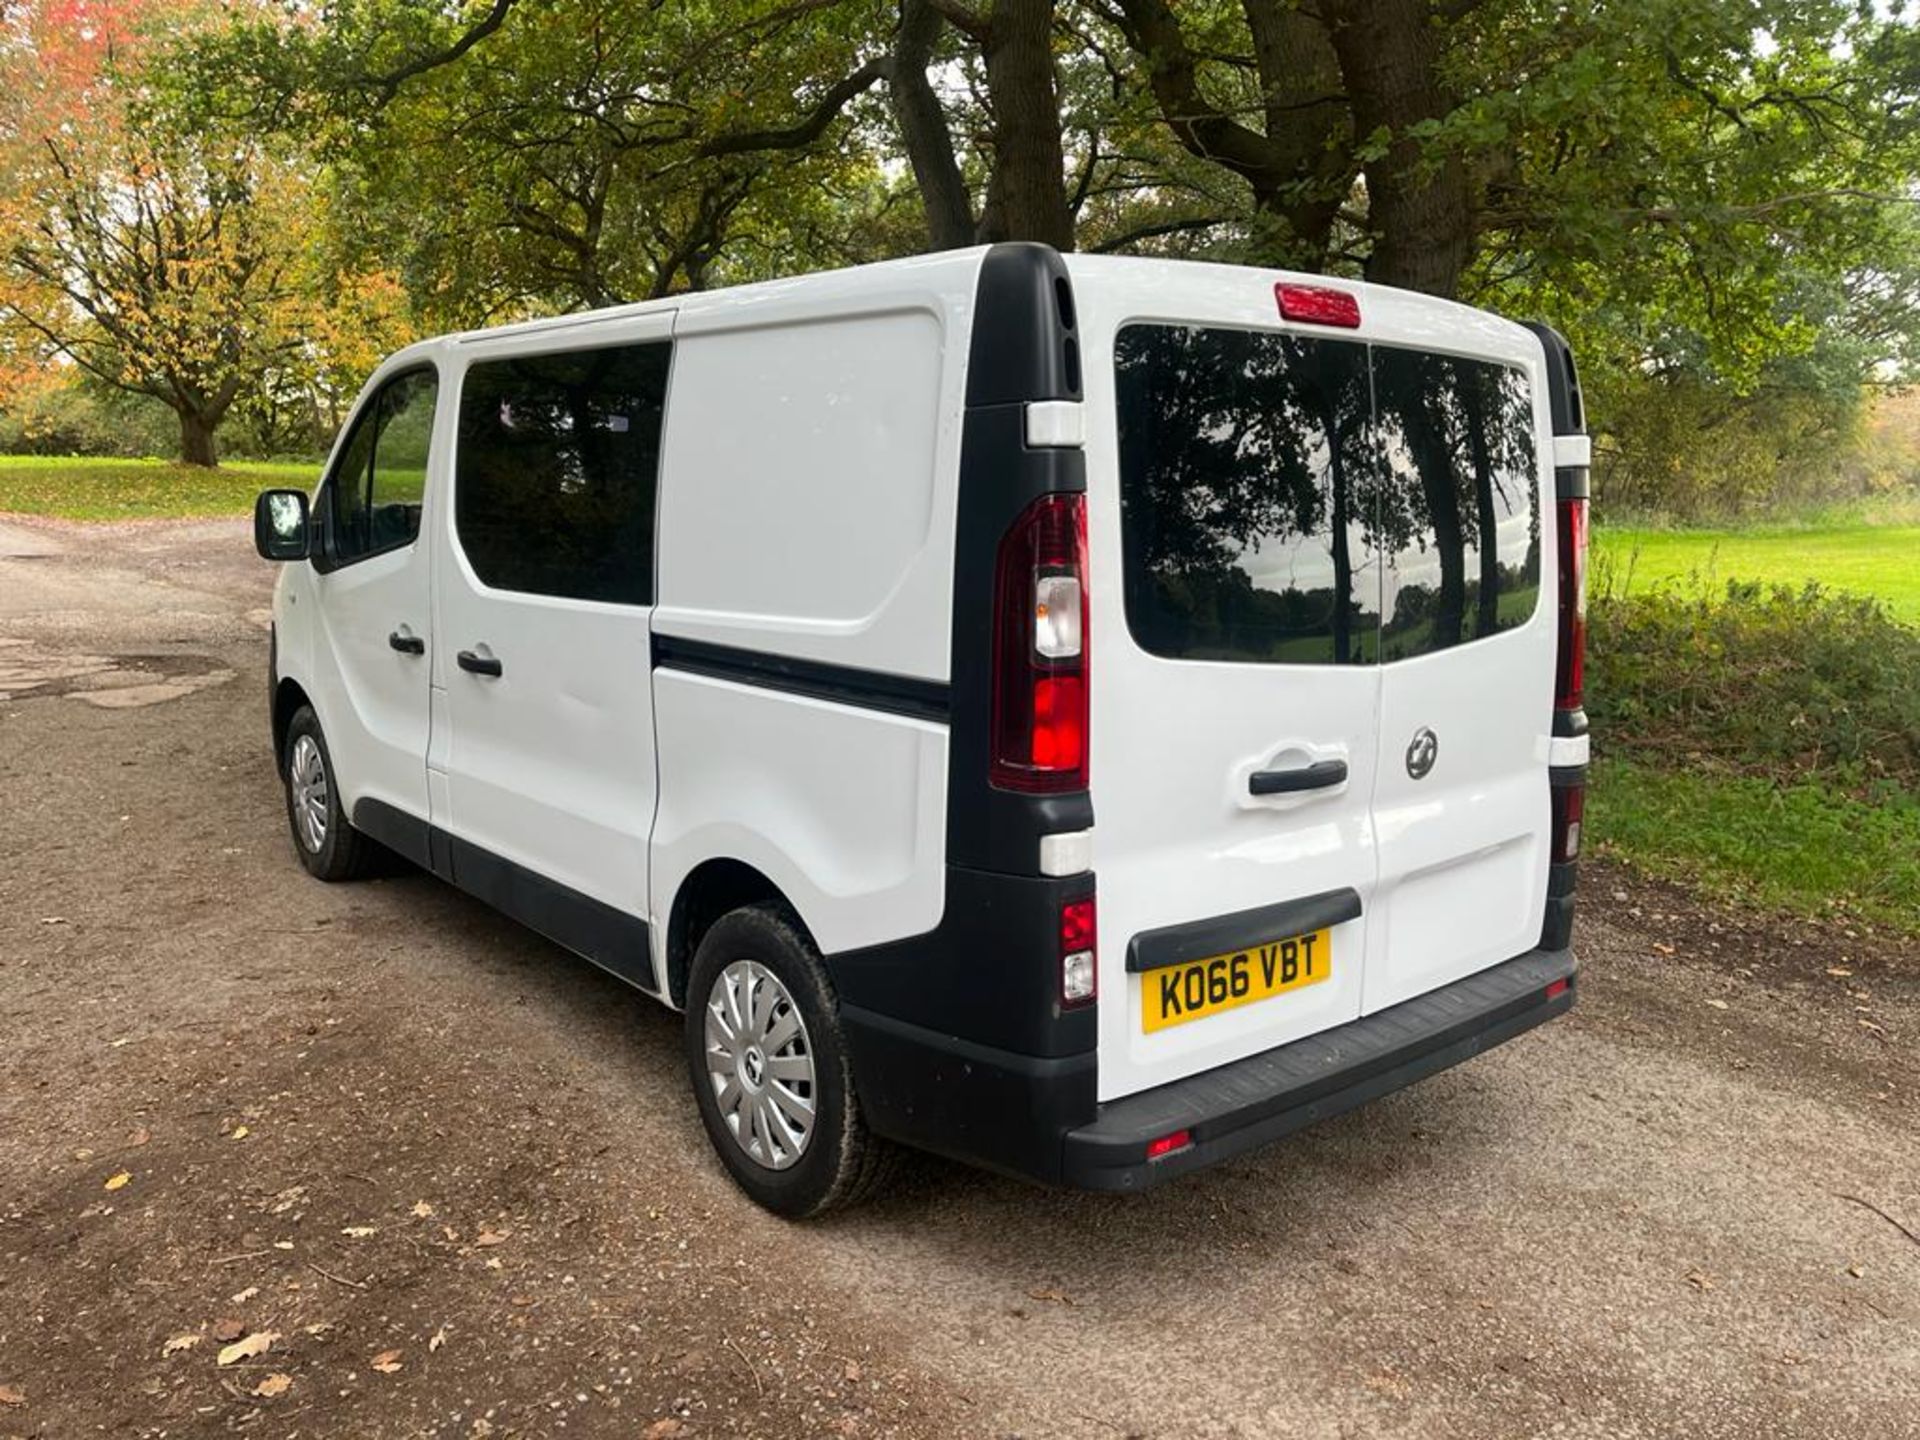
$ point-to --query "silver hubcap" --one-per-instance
(307, 775)
(760, 1063)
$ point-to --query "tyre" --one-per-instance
(770, 1071)
(328, 846)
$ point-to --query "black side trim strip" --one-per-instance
(1566, 776)
(842, 684)
(611, 938)
(1177, 944)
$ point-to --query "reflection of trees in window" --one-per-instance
(1264, 476)
(1458, 439)
(1240, 451)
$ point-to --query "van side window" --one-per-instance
(557, 468)
(375, 492)
(1244, 468)
(1459, 519)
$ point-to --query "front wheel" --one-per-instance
(769, 1069)
(327, 844)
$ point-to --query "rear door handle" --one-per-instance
(479, 664)
(1321, 775)
(407, 644)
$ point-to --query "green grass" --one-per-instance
(1799, 848)
(84, 489)
(1845, 553)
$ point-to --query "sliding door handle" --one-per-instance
(1322, 775)
(407, 643)
(479, 664)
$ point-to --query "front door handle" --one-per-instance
(479, 664)
(1322, 775)
(407, 643)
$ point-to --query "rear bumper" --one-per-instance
(1036, 1117)
(1255, 1101)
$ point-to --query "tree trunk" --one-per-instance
(923, 130)
(1417, 205)
(1029, 162)
(196, 438)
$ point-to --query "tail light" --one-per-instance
(1570, 676)
(1079, 952)
(1569, 805)
(1040, 699)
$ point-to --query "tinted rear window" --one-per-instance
(1280, 494)
(557, 468)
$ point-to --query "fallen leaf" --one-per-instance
(245, 1295)
(663, 1430)
(493, 1237)
(439, 1339)
(422, 1209)
(453, 1235)
(1662, 949)
(227, 1329)
(360, 1232)
(283, 1244)
(120, 1181)
(853, 1372)
(1700, 1280)
(53, 919)
(255, 1344)
(386, 1362)
(140, 1136)
(1839, 970)
(179, 1343)
(239, 1132)
(1058, 1296)
(320, 1329)
(1856, 1272)
(1718, 1004)
(12, 1395)
(273, 1385)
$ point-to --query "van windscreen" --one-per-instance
(1298, 500)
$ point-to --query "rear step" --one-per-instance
(1218, 1114)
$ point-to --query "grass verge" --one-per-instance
(1800, 848)
(86, 489)
(1846, 553)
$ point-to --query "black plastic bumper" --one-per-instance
(1036, 1116)
(1255, 1101)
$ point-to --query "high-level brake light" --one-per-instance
(1318, 305)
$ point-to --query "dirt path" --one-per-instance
(374, 1118)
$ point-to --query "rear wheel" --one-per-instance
(769, 1070)
(327, 844)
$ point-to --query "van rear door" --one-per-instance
(1321, 702)
(1235, 732)
(1461, 807)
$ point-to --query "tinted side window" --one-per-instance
(1459, 514)
(1244, 479)
(556, 471)
(375, 492)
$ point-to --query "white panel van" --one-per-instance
(1084, 716)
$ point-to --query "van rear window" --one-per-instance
(1298, 500)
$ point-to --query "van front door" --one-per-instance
(371, 595)
(545, 603)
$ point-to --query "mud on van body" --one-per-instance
(1087, 717)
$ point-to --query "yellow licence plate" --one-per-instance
(1175, 994)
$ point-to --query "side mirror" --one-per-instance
(280, 530)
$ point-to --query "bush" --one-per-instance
(1764, 681)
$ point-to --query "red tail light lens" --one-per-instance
(1167, 1144)
(1040, 699)
(1079, 952)
(1570, 678)
(1318, 305)
(1569, 807)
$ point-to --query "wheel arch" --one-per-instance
(288, 697)
(713, 888)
